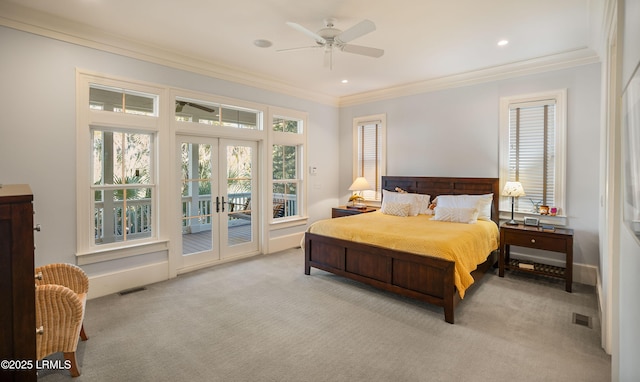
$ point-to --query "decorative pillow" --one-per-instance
(396, 197)
(456, 215)
(419, 202)
(424, 201)
(397, 209)
(480, 202)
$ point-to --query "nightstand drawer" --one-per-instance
(524, 239)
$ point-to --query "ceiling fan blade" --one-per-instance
(306, 31)
(360, 29)
(299, 48)
(363, 50)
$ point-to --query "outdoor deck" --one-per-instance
(201, 241)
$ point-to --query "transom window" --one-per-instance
(285, 125)
(213, 114)
(122, 101)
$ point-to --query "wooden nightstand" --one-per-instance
(558, 240)
(338, 212)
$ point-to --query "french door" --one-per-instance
(218, 183)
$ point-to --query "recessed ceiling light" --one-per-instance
(262, 43)
(503, 42)
(344, 81)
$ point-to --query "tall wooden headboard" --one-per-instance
(435, 186)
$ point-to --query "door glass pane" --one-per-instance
(239, 176)
(197, 206)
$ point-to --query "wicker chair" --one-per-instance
(61, 295)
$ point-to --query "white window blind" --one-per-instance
(532, 152)
(369, 148)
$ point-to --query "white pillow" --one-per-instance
(396, 209)
(481, 202)
(456, 215)
(418, 202)
(424, 201)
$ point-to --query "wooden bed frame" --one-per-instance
(426, 278)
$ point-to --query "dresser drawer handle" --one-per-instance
(533, 240)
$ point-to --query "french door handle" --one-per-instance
(223, 204)
(217, 204)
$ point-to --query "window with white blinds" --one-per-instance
(369, 160)
(533, 149)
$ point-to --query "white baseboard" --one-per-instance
(109, 283)
(114, 282)
(281, 243)
(582, 273)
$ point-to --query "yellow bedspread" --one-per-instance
(466, 244)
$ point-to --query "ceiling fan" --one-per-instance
(330, 37)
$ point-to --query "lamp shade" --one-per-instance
(513, 189)
(360, 184)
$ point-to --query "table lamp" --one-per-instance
(358, 185)
(513, 189)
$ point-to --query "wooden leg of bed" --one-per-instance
(307, 270)
(448, 314)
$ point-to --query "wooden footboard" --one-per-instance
(425, 278)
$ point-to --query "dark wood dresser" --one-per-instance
(17, 285)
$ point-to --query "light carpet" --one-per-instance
(262, 319)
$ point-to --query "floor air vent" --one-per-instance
(129, 291)
(582, 320)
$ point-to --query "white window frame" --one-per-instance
(87, 251)
(381, 119)
(560, 98)
(299, 140)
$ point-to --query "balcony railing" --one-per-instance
(136, 221)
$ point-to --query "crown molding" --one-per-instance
(38, 23)
(35, 22)
(559, 61)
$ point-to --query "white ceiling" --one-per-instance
(423, 40)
